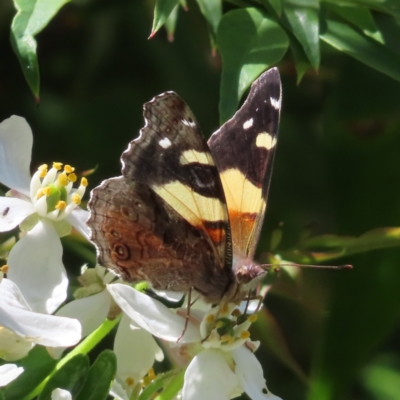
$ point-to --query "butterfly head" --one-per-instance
(247, 274)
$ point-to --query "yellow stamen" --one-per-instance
(68, 169)
(244, 335)
(231, 340)
(61, 205)
(57, 165)
(151, 374)
(4, 268)
(226, 338)
(46, 191)
(210, 318)
(43, 170)
(62, 179)
(39, 193)
(252, 318)
(224, 309)
(84, 182)
(219, 324)
(146, 381)
(76, 198)
(129, 381)
(72, 177)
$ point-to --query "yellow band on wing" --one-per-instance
(193, 156)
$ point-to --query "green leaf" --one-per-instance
(171, 381)
(101, 374)
(391, 7)
(348, 40)
(375, 374)
(328, 247)
(32, 16)
(304, 23)
(249, 43)
(37, 366)
(162, 11)
(70, 376)
(212, 11)
(276, 5)
(170, 23)
(303, 3)
(360, 17)
(301, 61)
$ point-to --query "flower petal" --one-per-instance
(250, 374)
(12, 346)
(152, 315)
(136, 350)
(15, 153)
(13, 211)
(209, 377)
(61, 394)
(8, 372)
(78, 219)
(168, 295)
(36, 267)
(90, 311)
(117, 391)
(47, 330)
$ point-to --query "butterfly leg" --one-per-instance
(189, 303)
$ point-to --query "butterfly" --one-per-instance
(186, 214)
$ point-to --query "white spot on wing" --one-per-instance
(190, 124)
(165, 143)
(276, 103)
(265, 140)
(248, 124)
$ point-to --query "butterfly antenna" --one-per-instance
(276, 266)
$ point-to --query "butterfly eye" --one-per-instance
(115, 233)
(121, 251)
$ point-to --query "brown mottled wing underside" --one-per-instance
(172, 158)
(243, 149)
(139, 236)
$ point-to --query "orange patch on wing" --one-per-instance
(242, 226)
(217, 235)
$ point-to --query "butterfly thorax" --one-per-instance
(246, 275)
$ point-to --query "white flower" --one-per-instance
(223, 364)
(61, 394)
(21, 328)
(46, 206)
(9, 372)
(135, 348)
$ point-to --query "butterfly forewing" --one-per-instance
(171, 156)
(243, 150)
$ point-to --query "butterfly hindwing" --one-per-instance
(171, 156)
(140, 237)
(243, 150)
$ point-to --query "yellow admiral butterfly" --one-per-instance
(187, 214)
